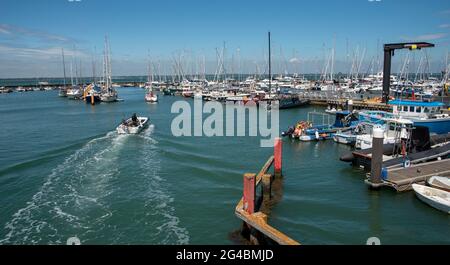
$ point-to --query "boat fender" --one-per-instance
(384, 173)
(407, 163)
(317, 135)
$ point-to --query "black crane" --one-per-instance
(388, 53)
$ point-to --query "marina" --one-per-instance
(232, 139)
(297, 214)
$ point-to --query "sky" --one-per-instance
(32, 33)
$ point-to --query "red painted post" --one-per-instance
(249, 192)
(277, 152)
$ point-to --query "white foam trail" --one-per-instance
(159, 202)
(58, 203)
(75, 199)
(146, 135)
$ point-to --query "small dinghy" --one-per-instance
(438, 182)
(436, 198)
(133, 125)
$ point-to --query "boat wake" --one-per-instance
(68, 193)
(84, 197)
(166, 230)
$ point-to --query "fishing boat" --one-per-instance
(436, 198)
(423, 113)
(133, 125)
(439, 182)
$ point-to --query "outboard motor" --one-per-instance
(289, 132)
(420, 139)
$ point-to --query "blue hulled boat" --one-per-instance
(306, 131)
(422, 113)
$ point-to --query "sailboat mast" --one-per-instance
(270, 67)
(93, 68)
(109, 66)
(71, 72)
(64, 67)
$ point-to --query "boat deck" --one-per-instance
(402, 179)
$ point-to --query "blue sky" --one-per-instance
(33, 32)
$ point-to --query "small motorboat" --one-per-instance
(436, 198)
(439, 182)
(345, 138)
(133, 125)
(150, 97)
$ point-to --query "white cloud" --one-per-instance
(425, 37)
(38, 53)
(444, 26)
(4, 31)
(20, 32)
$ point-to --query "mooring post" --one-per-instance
(277, 152)
(377, 157)
(266, 187)
(350, 105)
(249, 192)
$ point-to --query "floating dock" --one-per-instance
(401, 179)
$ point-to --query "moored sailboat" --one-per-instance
(149, 95)
(63, 90)
(108, 93)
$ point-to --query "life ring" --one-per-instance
(407, 163)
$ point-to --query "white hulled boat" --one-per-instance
(133, 125)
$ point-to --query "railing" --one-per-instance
(254, 216)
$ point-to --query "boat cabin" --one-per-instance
(416, 109)
(345, 118)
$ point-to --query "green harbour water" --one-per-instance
(64, 172)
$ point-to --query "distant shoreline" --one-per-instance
(58, 81)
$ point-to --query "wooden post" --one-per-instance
(277, 152)
(266, 187)
(249, 192)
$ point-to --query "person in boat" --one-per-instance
(134, 120)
